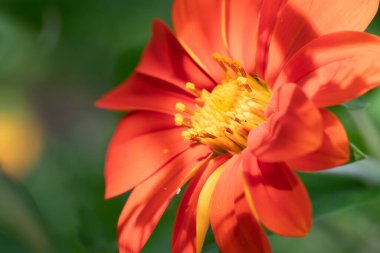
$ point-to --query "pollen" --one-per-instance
(225, 116)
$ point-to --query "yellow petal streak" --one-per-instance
(203, 207)
(248, 197)
(225, 115)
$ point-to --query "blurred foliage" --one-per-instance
(19, 215)
(57, 58)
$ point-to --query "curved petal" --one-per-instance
(242, 26)
(268, 19)
(334, 151)
(137, 151)
(301, 21)
(335, 68)
(199, 25)
(249, 225)
(204, 207)
(149, 199)
(165, 59)
(293, 127)
(279, 197)
(235, 227)
(135, 124)
(184, 233)
(141, 92)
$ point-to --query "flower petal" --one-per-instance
(268, 19)
(293, 127)
(141, 92)
(165, 59)
(135, 124)
(335, 68)
(149, 199)
(138, 149)
(184, 234)
(199, 25)
(242, 26)
(204, 206)
(301, 21)
(249, 224)
(235, 227)
(279, 197)
(334, 151)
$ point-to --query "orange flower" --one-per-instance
(231, 104)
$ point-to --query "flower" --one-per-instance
(231, 104)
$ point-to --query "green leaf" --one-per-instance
(343, 187)
(366, 171)
(356, 154)
(19, 216)
(357, 104)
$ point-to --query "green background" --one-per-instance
(57, 58)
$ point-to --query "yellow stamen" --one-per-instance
(182, 108)
(181, 121)
(229, 112)
(240, 68)
(219, 59)
(227, 63)
(191, 87)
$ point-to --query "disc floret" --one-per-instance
(227, 113)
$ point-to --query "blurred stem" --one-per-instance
(368, 130)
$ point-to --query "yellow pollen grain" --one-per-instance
(182, 108)
(179, 120)
(192, 89)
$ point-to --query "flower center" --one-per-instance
(228, 113)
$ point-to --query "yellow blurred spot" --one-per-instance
(20, 143)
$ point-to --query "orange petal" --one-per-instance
(268, 19)
(165, 59)
(149, 199)
(141, 92)
(235, 227)
(335, 68)
(200, 27)
(139, 149)
(242, 25)
(280, 198)
(184, 233)
(249, 224)
(301, 21)
(334, 151)
(293, 128)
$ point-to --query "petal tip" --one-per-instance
(99, 103)
(104, 102)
